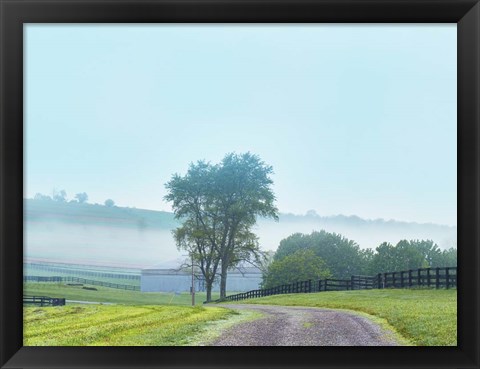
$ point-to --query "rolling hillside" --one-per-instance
(75, 213)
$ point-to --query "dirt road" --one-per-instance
(301, 326)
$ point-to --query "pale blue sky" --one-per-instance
(354, 119)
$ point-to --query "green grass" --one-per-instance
(423, 317)
(105, 294)
(118, 325)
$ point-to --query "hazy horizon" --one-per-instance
(93, 244)
(306, 214)
(112, 236)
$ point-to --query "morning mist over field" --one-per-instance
(95, 234)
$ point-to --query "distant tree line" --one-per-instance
(61, 196)
(322, 255)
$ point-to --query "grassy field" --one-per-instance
(105, 294)
(116, 325)
(423, 317)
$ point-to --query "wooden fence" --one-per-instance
(425, 277)
(31, 278)
(421, 278)
(43, 301)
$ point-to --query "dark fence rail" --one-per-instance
(417, 278)
(32, 278)
(425, 277)
(43, 301)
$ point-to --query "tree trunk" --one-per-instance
(209, 291)
(223, 282)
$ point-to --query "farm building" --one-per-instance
(156, 279)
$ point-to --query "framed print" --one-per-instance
(178, 177)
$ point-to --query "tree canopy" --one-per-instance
(413, 254)
(81, 197)
(302, 265)
(109, 203)
(60, 196)
(342, 256)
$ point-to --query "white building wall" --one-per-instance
(240, 283)
(166, 283)
(182, 283)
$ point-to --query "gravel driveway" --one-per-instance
(302, 326)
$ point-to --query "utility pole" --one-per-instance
(193, 285)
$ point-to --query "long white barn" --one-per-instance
(156, 279)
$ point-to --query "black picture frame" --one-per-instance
(14, 13)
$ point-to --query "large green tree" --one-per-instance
(403, 256)
(302, 265)
(448, 258)
(342, 256)
(411, 254)
(218, 206)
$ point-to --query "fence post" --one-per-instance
(309, 286)
(447, 278)
(401, 279)
(385, 280)
(379, 278)
(410, 278)
(428, 277)
(326, 282)
(419, 273)
(352, 278)
(437, 278)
